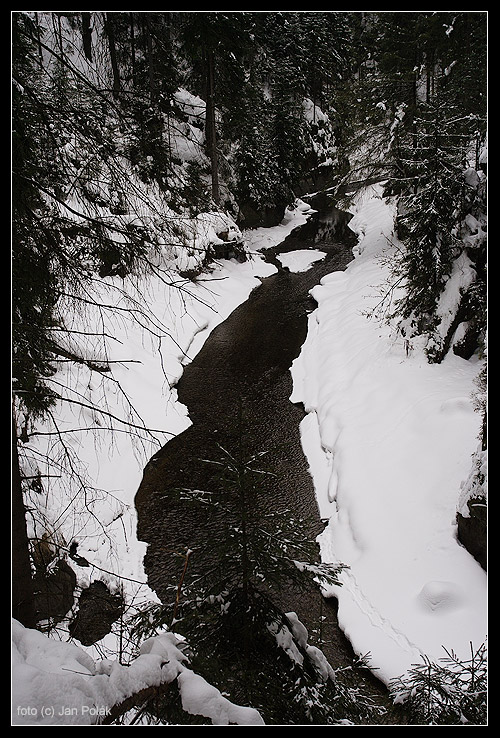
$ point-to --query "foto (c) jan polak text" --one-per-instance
(50, 711)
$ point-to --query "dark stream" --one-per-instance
(244, 367)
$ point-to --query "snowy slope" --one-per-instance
(113, 422)
(389, 439)
(59, 683)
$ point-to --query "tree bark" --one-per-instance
(38, 36)
(140, 700)
(87, 35)
(210, 130)
(110, 33)
(23, 606)
(132, 47)
(151, 60)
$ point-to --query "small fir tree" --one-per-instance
(453, 692)
(228, 609)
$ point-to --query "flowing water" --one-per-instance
(243, 372)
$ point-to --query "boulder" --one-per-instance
(472, 530)
(98, 609)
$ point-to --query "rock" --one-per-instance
(472, 531)
(267, 217)
(54, 591)
(98, 610)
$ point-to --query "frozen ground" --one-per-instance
(390, 440)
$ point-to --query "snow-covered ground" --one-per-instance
(150, 331)
(81, 691)
(389, 439)
(148, 346)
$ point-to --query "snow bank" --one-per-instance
(474, 489)
(119, 418)
(143, 331)
(265, 238)
(80, 691)
(58, 683)
(389, 439)
(300, 260)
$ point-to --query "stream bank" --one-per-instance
(244, 366)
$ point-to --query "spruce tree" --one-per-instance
(255, 162)
(429, 206)
(228, 608)
(433, 147)
(451, 692)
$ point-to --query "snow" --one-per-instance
(300, 260)
(265, 238)
(187, 141)
(161, 324)
(475, 486)
(169, 323)
(200, 698)
(58, 683)
(389, 439)
(141, 389)
(315, 654)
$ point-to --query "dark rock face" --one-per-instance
(54, 592)
(98, 610)
(472, 531)
(251, 217)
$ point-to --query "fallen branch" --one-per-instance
(139, 700)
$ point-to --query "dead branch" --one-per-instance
(139, 700)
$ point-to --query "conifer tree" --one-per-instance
(255, 164)
(228, 610)
(433, 147)
(429, 203)
(213, 43)
(451, 692)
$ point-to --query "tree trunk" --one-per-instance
(110, 33)
(39, 39)
(87, 35)
(210, 130)
(151, 61)
(132, 47)
(59, 36)
(23, 607)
